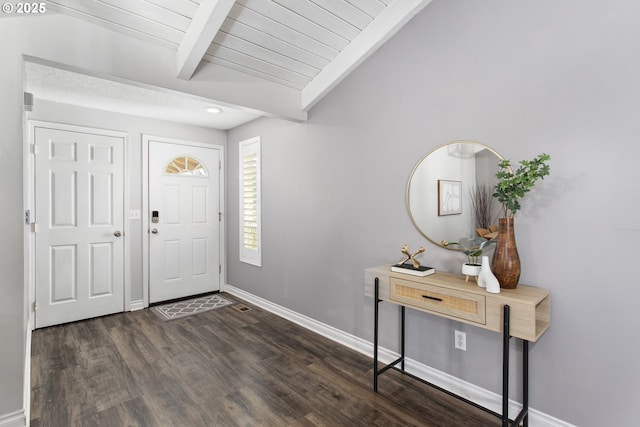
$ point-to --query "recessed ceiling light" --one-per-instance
(214, 110)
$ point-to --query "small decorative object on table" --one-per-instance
(473, 249)
(486, 278)
(414, 268)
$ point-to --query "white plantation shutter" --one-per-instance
(250, 203)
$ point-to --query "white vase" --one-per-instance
(486, 278)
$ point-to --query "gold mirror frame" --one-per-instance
(433, 222)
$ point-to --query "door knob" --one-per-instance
(154, 231)
(117, 234)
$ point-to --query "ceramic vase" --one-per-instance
(470, 270)
(506, 262)
(486, 278)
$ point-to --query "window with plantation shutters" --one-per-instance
(250, 203)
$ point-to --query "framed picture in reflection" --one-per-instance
(449, 197)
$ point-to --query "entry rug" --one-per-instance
(185, 308)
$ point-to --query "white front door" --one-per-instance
(184, 223)
(79, 213)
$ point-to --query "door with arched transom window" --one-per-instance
(184, 223)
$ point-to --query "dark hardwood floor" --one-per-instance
(220, 368)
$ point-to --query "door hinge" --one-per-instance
(28, 101)
(219, 164)
(220, 268)
(35, 306)
(219, 216)
(34, 149)
(27, 217)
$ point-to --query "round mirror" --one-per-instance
(450, 192)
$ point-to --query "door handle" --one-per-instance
(154, 231)
(117, 234)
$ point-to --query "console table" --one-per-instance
(523, 313)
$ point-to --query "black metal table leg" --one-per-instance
(505, 367)
(525, 381)
(376, 313)
(402, 338)
(376, 302)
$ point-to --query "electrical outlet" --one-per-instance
(460, 340)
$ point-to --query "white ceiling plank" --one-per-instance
(296, 22)
(183, 7)
(252, 35)
(275, 29)
(118, 20)
(371, 7)
(252, 63)
(145, 10)
(256, 73)
(372, 37)
(269, 56)
(321, 17)
(204, 26)
(347, 12)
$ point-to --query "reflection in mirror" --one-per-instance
(449, 194)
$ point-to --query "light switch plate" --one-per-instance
(135, 214)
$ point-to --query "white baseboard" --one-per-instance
(14, 419)
(448, 382)
(136, 305)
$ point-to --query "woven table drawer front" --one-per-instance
(446, 301)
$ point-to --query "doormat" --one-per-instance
(185, 308)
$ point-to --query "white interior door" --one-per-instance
(184, 223)
(79, 212)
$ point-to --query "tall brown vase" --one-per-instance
(506, 262)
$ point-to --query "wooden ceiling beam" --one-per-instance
(204, 26)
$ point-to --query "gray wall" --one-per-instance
(135, 127)
(12, 324)
(524, 78)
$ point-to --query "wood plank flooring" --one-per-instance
(220, 368)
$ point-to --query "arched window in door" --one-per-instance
(186, 166)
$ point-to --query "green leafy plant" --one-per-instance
(512, 186)
(472, 248)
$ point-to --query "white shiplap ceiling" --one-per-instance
(306, 45)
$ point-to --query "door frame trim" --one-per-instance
(29, 204)
(146, 138)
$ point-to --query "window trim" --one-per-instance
(250, 255)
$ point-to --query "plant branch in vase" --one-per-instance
(511, 187)
(482, 202)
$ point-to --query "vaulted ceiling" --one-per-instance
(305, 45)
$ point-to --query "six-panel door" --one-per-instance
(80, 216)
